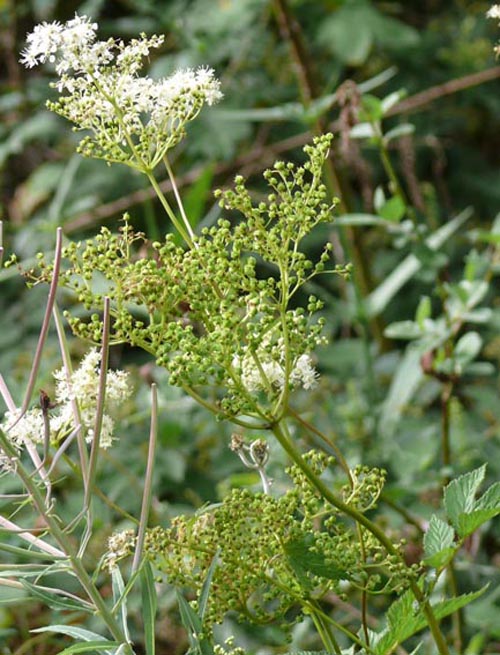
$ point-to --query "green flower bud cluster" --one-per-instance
(272, 554)
(205, 313)
(365, 487)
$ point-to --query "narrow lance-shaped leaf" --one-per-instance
(149, 607)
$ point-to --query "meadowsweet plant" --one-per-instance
(223, 311)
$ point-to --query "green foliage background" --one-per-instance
(376, 401)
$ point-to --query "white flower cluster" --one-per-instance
(493, 12)
(262, 371)
(120, 544)
(132, 119)
(82, 387)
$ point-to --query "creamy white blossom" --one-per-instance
(81, 386)
(262, 370)
(120, 544)
(53, 41)
(494, 12)
(304, 373)
(130, 119)
(29, 427)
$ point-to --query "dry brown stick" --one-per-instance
(419, 100)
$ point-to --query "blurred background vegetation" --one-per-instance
(288, 68)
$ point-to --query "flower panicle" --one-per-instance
(130, 118)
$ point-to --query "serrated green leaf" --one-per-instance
(490, 499)
(438, 543)
(149, 606)
(460, 495)
(470, 522)
(403, 621)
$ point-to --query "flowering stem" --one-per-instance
(52, 523)
(324, 631)
(166, 206)
(148, 482)
(280, 431)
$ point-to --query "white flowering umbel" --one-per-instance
(131, 119)
(82, 387)
(494, 13)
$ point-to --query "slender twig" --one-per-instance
(422, 99)
(169, 211)
(99, 413)
(24, 534)
(178, 198)
(148, 481)
(446, 395)
(45, 324)
(63, 347)
(5, 393)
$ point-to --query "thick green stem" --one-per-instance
(323, 629)
(281, 433)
